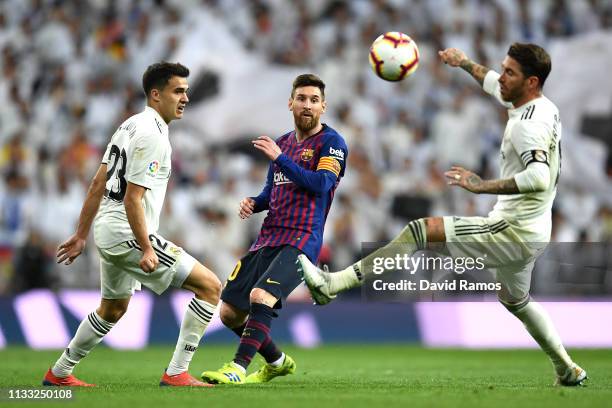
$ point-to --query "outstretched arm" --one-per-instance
(534, 178)
(457, 58)
(71, 248)
(458, 176)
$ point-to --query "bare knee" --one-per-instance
(232, 317)
(204, 284)
(259, 295)
(211, 288)
(112, 310)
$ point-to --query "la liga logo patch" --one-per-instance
(153, 168)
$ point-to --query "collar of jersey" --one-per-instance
(158, 116)
(320, 132)
(520, 109)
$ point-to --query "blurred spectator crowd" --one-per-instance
(71, 74)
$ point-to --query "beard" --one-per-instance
(305, 123)
(513, 94)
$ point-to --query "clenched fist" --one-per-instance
(452, 56)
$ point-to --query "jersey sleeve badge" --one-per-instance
(330, 164)
(153, 168)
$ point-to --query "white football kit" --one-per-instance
(519, 226)
(139, 152)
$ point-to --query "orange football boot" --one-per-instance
(70, 381)
(183, 379)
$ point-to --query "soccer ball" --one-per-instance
(394, 56)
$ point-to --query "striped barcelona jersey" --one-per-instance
(299, 191)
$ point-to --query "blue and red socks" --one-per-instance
(268, 350)
(256, 336)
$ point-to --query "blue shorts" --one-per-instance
(272, 269)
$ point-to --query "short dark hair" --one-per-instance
(157, 75)
(308, 80)
(533, 59)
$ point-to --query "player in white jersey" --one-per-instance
(519, 227)
(131, 183)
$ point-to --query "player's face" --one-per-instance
(173, 98)
(307, 106)
(513, 84)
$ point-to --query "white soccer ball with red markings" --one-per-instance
(394, 56)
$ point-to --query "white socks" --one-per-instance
(90, 332)
(348, 278)
(412, 238)
(196, 319)
(278, 362)
(540, 326)
(239, 367)
(93, 328)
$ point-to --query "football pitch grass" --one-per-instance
(333, 375)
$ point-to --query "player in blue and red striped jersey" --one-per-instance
(306, 167)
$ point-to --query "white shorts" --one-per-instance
(120, 273)
(502, 245)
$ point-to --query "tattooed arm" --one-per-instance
(457, 58)
(458, 176)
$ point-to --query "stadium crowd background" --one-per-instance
(71, 74)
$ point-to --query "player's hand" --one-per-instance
(268, 147)
(458, 176)
(452, 56)
(69, 250)
(247, 206)
(149, 260)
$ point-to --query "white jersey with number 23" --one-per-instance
(139, 153)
